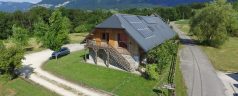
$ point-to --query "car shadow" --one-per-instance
(233, 76)
(26, 71)
(51, 58)
(236, 85)
(235, 94)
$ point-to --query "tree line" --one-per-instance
(27, 19)
(85, 20)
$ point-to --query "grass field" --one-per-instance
(34, 46)
(73, 68)
(224, 58)
(183, 25)
(20, 87)
(77, 37)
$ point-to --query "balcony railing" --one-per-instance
(104, 44)
(93, 43)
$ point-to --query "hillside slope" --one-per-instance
(109, 4)
(94, 4)
(12, 6)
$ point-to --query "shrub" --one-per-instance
(10, 60)
(160, 57)
(152, 72)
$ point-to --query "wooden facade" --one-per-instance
(119, 48)
(118, 39)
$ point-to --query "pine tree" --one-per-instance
(56, 33)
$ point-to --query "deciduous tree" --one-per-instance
(214, 23)
(40, 29)
(20, 35)
(59, 28)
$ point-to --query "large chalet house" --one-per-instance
(123, 40)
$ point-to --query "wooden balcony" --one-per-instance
(105, 45)
(93, 44)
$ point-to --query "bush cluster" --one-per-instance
(11, 59)
(160, 57)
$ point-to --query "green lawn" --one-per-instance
(77, 37)
(34, 46)
(73, 68)
(183, 25)
(224, 58)
(20, 87)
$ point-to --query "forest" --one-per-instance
(85, 20)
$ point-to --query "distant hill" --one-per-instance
(113, 4)
(12, 6)
(94, 4)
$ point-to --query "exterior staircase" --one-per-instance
(121, 61)
(132, 61)
(114, 55)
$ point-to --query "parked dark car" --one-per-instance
(62, 52)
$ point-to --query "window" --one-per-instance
(122, 40)
(105, 36)
(118, 37)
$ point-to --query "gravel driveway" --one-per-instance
(52, 82)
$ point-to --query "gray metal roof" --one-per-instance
(147, 31)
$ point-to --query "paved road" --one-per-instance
(199, 75)
(54, 83)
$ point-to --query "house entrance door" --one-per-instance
(105, 37)
(122, 40)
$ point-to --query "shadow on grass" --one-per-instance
(159, 92)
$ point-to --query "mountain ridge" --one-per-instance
(94, 4)
(13, 6)
(117, 4)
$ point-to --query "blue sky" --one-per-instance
(31, 1)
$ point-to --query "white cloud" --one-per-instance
(31, 1)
